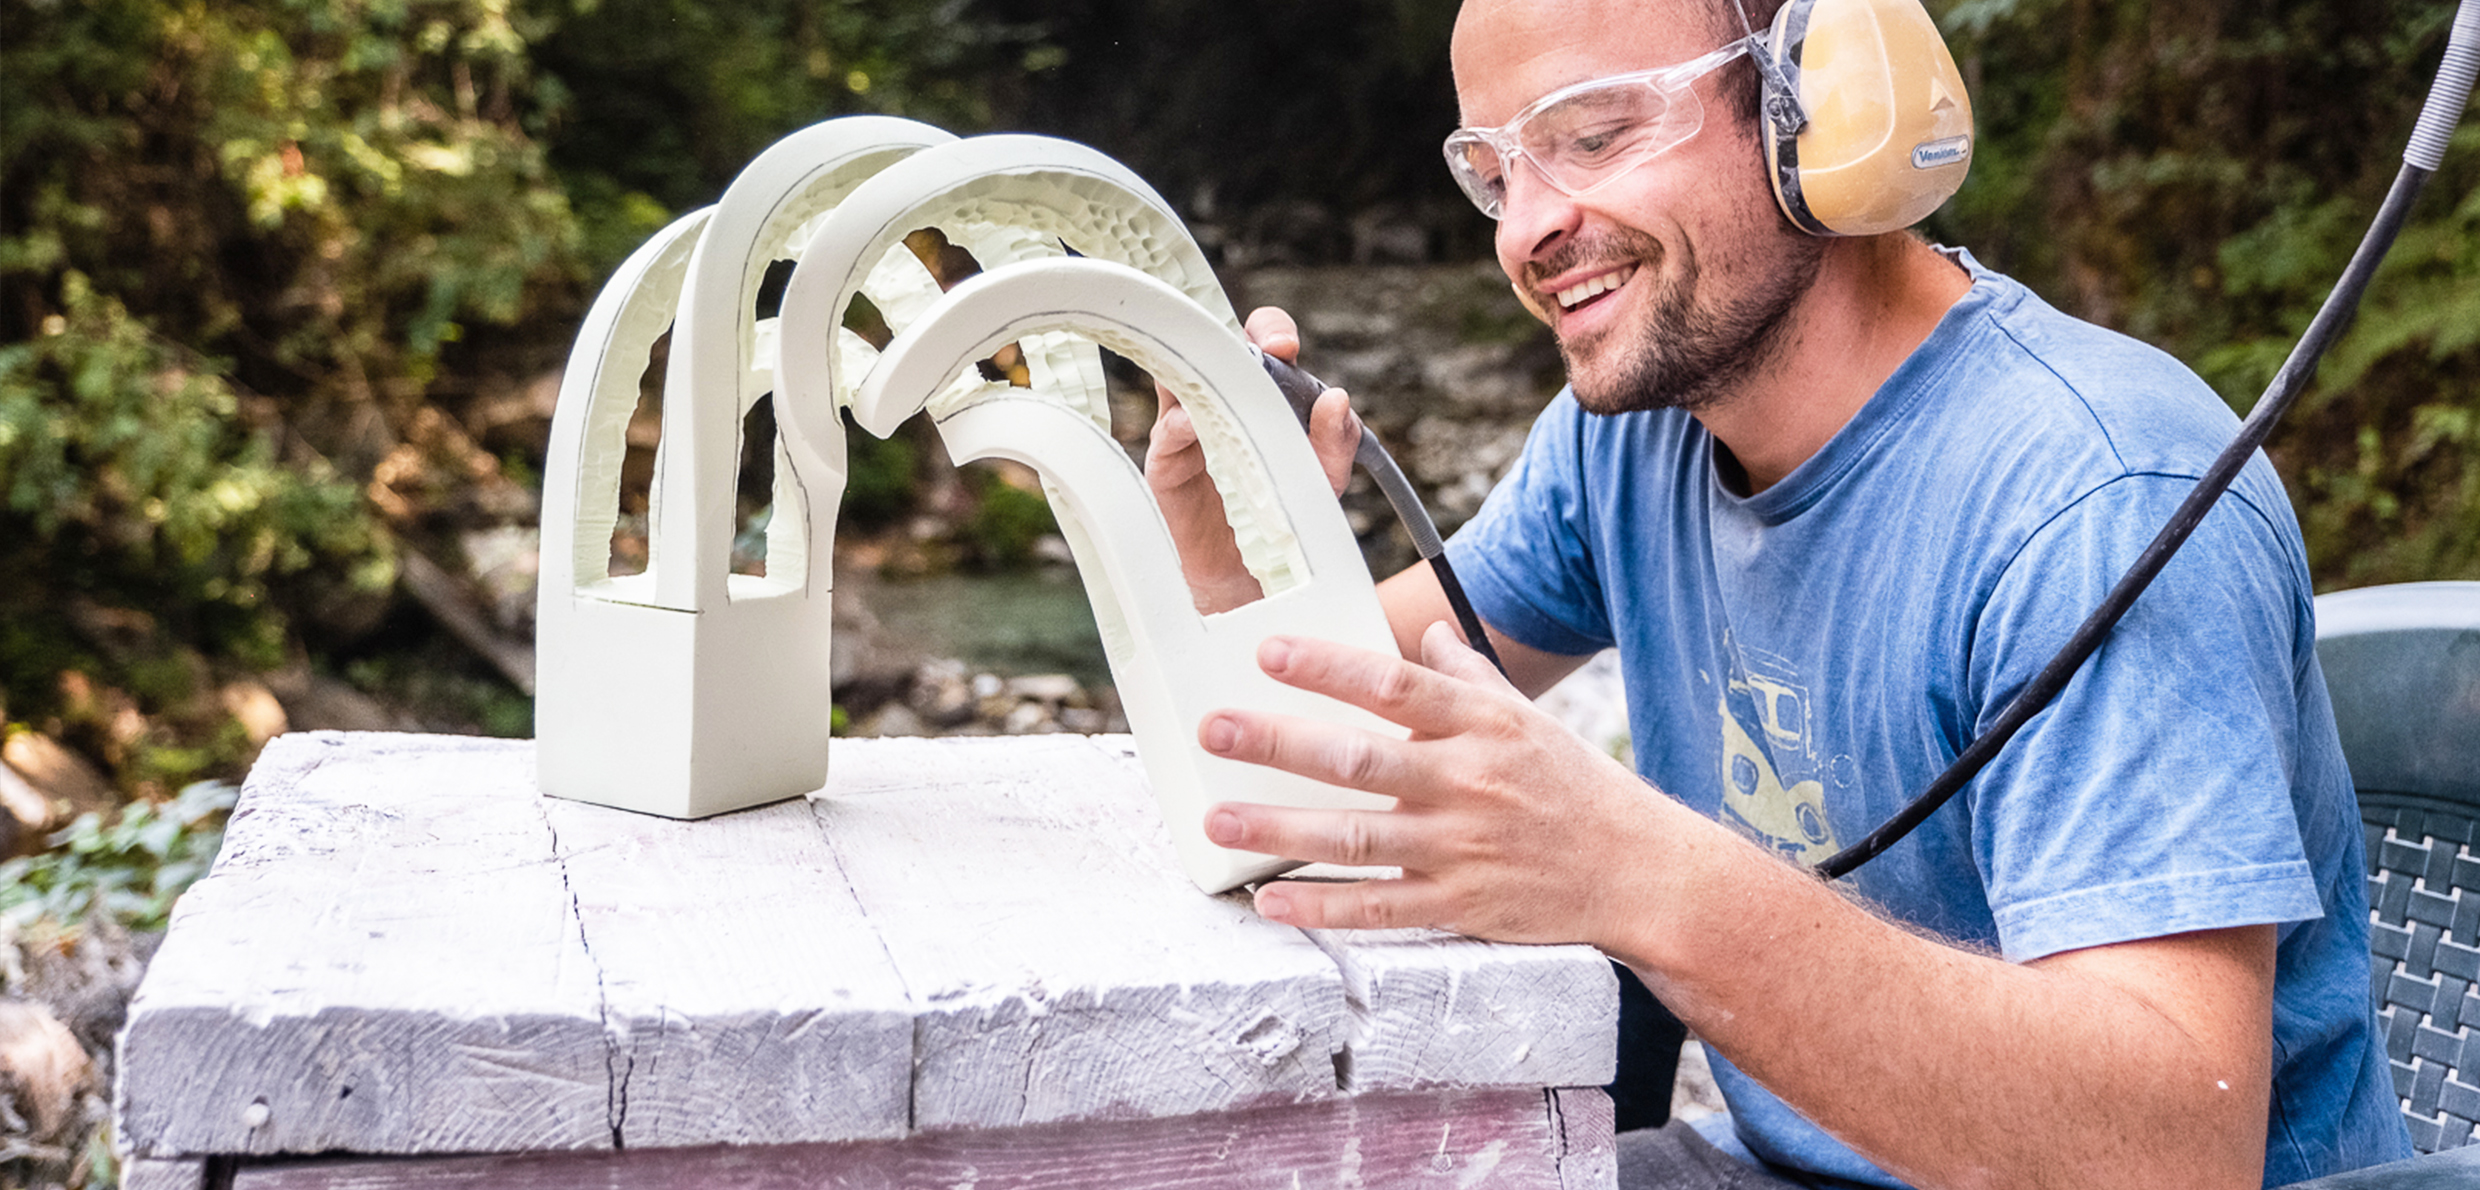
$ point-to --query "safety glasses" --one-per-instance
(1582, 138)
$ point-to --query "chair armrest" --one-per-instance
(2446, 1169)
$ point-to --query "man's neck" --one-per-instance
(1875, 301)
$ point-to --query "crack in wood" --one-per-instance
(1357, 1019)
(615, 1072)
(861, 907)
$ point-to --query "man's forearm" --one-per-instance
(2138, 1064)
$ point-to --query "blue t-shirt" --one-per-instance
(1801, 662)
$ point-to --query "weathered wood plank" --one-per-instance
(142, 1173)
(406, 949)
(746, 997)
(1060, 975)
(385, 959)
(1500, 1139)
(1429, 1008)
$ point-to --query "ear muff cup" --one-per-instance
(1889, 130)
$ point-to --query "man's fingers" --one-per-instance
(1165, 400)
(1360, 905)
(1337, 755)
(1399, 691)
(1171, 454)
(1275, 333)
(1443, 649)
(1174, 429)
(1353, 838)
(1335, 434)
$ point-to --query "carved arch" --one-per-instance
(1048, 190)
(1173, 665)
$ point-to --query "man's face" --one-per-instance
(1671, 284)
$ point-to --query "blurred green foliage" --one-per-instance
(236, 240)
(133, 477)
(254, 253)
(1006, 521)
(651, 106)
(130, 867)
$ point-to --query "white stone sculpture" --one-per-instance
(688, 690)
(684, 692)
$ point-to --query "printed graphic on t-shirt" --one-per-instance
(1773, 786)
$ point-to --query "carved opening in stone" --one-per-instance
(950, 264)
(631, 529)
(754, 488)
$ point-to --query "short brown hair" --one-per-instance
(1741, 80)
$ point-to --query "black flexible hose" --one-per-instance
(1301, 390)
(2426, 151)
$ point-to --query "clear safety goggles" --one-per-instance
(1583, 137)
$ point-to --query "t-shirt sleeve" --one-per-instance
(1526, 559)
(2155, 796)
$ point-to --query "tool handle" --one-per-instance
(2446, 97)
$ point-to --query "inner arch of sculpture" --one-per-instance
(686, 692)
(1172, 664)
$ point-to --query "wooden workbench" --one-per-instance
(966, 962)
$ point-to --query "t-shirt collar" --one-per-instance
(1885, 409)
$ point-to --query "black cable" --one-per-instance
(1301, 390)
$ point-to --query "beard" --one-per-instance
(1687, 354)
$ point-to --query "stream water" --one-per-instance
(1007, 624)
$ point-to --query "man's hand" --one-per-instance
(1503, 817)
(1175, 468)
(2145, 1063)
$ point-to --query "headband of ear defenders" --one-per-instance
(1887, 134)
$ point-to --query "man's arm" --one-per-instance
(1413, 601)
(2140, 1064)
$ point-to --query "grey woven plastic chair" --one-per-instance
(2402, 664)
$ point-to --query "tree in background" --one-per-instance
(239, 241)
(1290, 130)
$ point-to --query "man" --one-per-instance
(1834, 501)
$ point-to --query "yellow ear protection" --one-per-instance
(1866, 123)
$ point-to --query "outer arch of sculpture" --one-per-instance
(1065, 195)
(686, 692)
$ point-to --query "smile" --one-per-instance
(1593, 287)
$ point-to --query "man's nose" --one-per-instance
(1533, 216)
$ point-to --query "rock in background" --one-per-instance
(1442, 363)
(63, 996)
